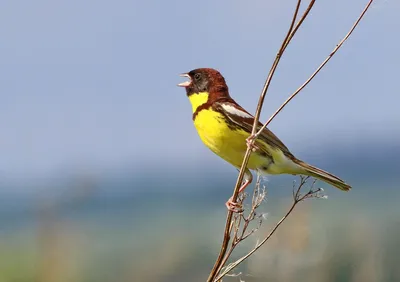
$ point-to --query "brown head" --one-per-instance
(205, 80)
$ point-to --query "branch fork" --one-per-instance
(234, 221)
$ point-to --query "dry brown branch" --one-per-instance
(223, 255)
(317, 70)
(227, 231)
(240, 232)
(297, 198)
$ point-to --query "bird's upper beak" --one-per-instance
(185, 83)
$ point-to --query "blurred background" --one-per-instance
(103, 176)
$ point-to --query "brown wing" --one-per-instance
(245, 122)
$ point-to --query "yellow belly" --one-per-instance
(227, 143)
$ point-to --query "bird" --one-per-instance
(225, 128)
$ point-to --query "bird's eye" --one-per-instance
(197, 76)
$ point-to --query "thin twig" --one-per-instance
(239, 261)
(299, 198)
(239, 233)
(303, 17)
(226, 238)
(317, 70)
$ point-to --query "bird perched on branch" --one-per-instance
(225, 128)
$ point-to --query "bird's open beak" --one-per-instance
(185, 83)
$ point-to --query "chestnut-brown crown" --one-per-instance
(207, 80)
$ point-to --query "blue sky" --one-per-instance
(93, 83)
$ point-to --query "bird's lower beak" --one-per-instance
(185, 83)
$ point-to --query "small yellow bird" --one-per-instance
(225, 127)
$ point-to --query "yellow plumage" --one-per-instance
(215, 133)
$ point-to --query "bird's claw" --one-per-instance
(250, 144)
(233, 207)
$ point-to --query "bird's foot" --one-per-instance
(237, 207)
(250, 144)
(233, 207)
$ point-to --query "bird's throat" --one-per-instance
(198, 99)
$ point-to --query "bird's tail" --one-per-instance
(323, 175)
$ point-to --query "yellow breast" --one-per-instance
(228, 143)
